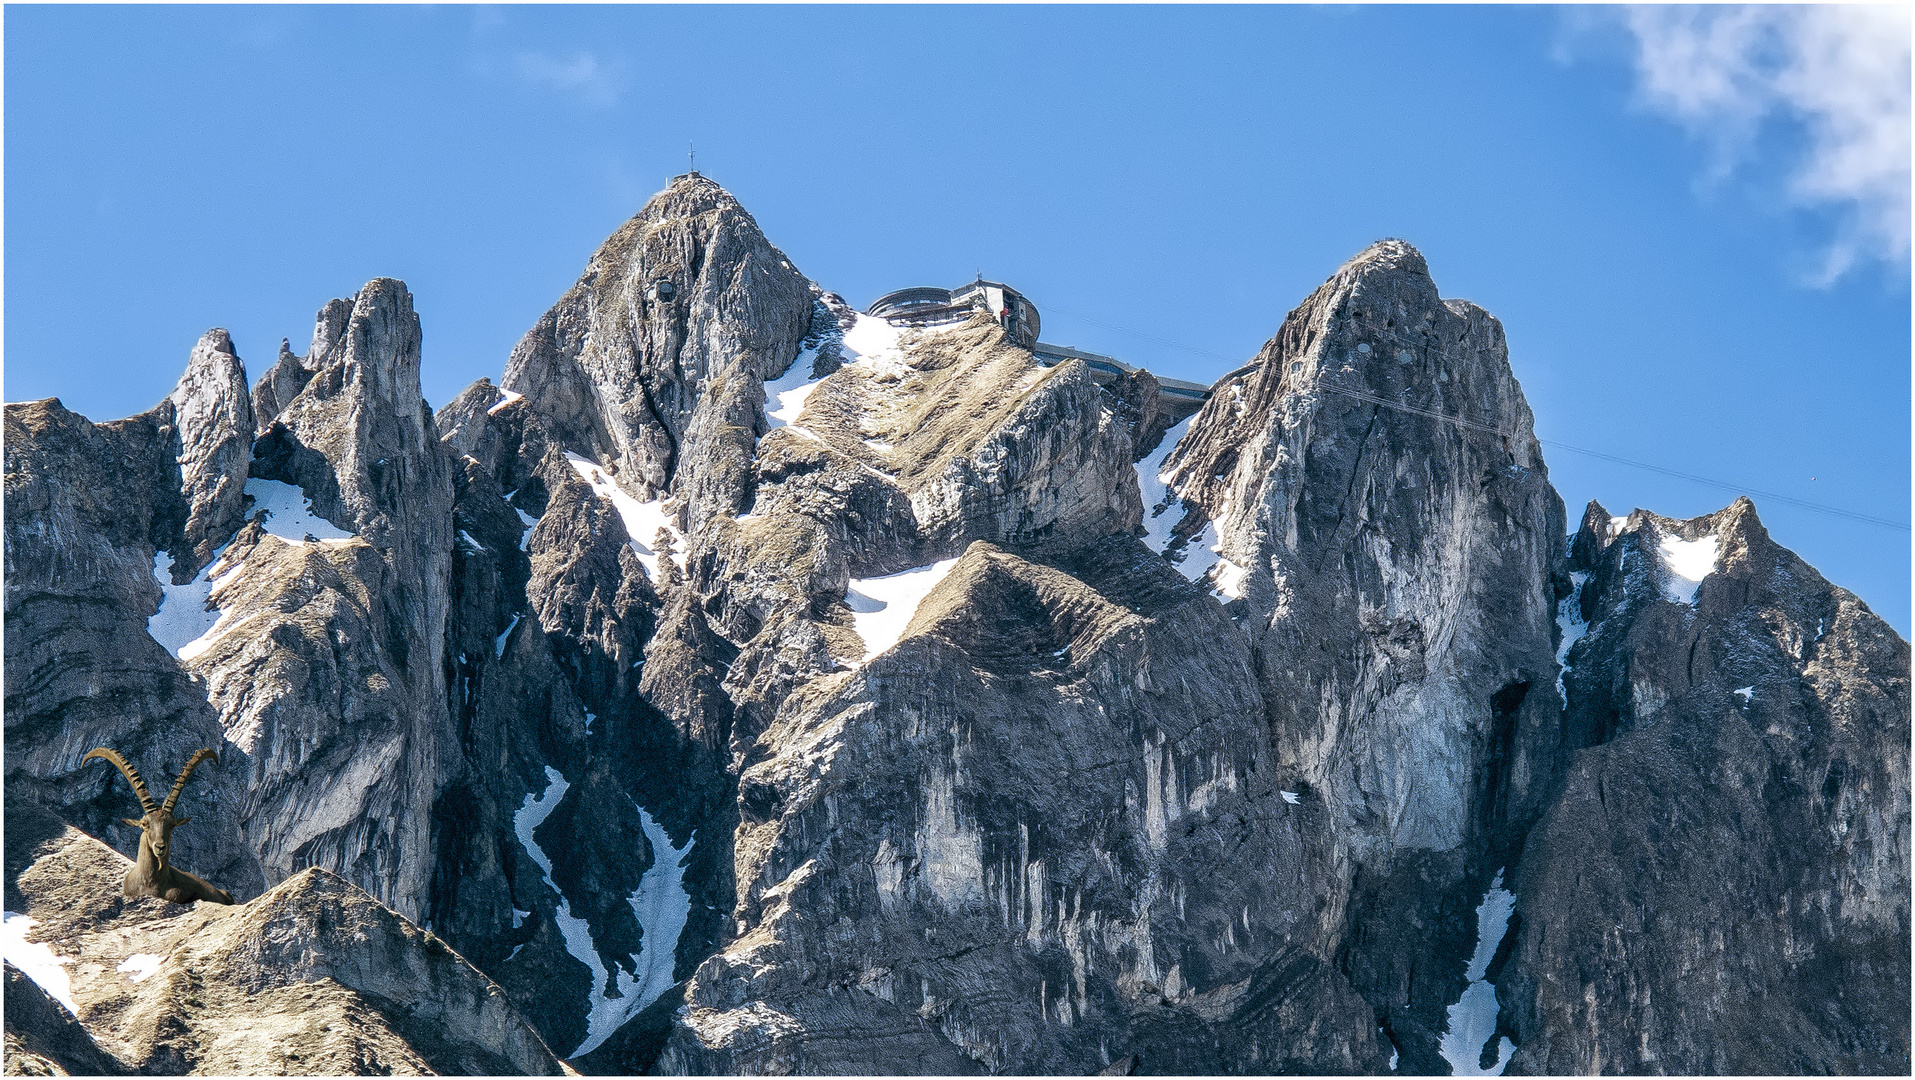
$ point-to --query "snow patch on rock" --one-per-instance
(642, 520)
(1196, 558)
(660, 903)
(1472, 1020)
(286, 512)
(1687, 562)
(663, 906)
(785, 396)
(1569, 620)
(1228, 578)
(36, 961)
(140, 966)
(1162, 508)
(187, 623)
(186, 613)
(576, 932)
(874, 342)
(498, 644)
(881, 607)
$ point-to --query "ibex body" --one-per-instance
(153, 874)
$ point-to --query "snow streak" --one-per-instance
(1472, 1020)
(660, 903)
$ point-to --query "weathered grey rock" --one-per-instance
(1393, 571)
(597, 687)
(1409, 554)
(484, 423)
(290, 373)
(647, 383)
(328, 671)
(951, 436)
(214, 421)
(361, 413)
(44, 1039)
(88, 506)
(1723, 885)
(1036, 835)
(314, 977)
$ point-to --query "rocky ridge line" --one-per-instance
(986, 725)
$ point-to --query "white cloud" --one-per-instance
(584, 74)
(1838, 74)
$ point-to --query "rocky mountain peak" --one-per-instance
(1715, 677)
(357, 437)
(689, 195)
(658, 354)
(1387, 256)
(291, 372)
(214, 417)
(745, 683)
(1645, 558)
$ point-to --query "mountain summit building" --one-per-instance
(922, 306)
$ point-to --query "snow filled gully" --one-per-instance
(187, 623)
(661, 904)
(643, 520)
(1472, 1020)
(1685, 563)
(1199, 557)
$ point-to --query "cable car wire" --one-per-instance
(1740, 489)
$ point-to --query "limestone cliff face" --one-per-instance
(1036, 835)
(1726, 870)
(98, 517)
(327, 664)
(1392, 568)
(214, 419)
(1393, 571)
(744, 684)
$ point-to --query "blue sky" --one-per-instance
(1694, 227)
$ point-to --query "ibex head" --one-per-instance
(156, 827)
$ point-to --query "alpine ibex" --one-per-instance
(152, 874)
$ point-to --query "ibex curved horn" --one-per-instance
(180, 784)
(132, 776)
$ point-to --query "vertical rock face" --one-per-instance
(1036, 835)
(1393, 567)
(97, 515)
(749, 685)
(327, 668)
(1393, 570)
(1723, 884)
(214, 419)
